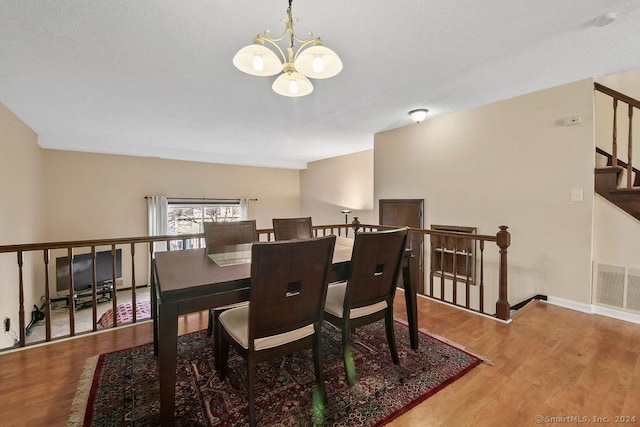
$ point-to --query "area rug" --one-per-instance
(122, 387)
(124, 314)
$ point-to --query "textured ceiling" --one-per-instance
(155, 78)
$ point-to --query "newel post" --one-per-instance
(502, 306)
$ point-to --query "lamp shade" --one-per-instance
(257, 60)
(292, 84)
(318, 62)
(418, 115)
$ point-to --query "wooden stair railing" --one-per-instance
(32, 257)
(631, 105)
(620, 165)
(625, 195)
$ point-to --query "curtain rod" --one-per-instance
(203, 198)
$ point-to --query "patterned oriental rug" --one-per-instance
(122, 388)
(124, 314)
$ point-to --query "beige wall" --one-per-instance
(617, 234)
(509, 163)
(331, 185)
(627, 83)
(94, 196)
(21, 191)
(51, 195)
(91, 196)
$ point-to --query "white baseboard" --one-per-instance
(457, 307)
(594, 309)
(616, 314)
(573, 305)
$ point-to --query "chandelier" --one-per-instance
(311, 59)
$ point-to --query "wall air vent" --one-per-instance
(618, 287)
(610, 285)
(633, 289)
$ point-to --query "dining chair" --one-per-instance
(218, 234)
(284, 315)
(229, 233)
(292, 228)
(367, 295)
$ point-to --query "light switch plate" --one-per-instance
(576, 194)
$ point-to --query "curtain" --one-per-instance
(157, 219)
(244, 208)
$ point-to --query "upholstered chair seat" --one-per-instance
(367, 295)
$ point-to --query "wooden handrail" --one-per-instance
(632, 103)
(502, 239)
(617, 95)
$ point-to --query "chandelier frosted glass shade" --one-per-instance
(292, 84)
(318, 62)
(309, 59)
(257, 60)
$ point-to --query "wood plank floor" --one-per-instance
(549, 362)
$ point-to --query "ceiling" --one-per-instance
(155, 78)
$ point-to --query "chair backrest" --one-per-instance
(288, 285)
(375, 264)
(229, 233)
(292, 228)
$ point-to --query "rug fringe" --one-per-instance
(79, 405)
(484, 359)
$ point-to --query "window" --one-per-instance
(187, 216)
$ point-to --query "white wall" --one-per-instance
(21, 191)
(509, 163)
(331, 185)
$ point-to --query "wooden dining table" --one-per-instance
(192, 280)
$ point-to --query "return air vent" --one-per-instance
(633, 289)
(618, 287)
(610, 285)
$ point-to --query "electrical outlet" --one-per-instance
(7, 324)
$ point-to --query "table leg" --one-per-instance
(410, 281)
(167, 357)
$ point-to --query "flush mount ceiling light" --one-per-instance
(418, 115)
(605, 19)
(310, 60)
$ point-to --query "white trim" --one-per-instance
(572, 305)
(595, 309)
(462, 308)
(616, 314)
(82, 334)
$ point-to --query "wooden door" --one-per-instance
(407, 212)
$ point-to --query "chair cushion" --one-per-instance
(335, 302)
(230, 306)
(236, 322)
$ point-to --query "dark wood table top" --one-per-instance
(193, 272)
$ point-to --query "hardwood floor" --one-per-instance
(550, 362)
